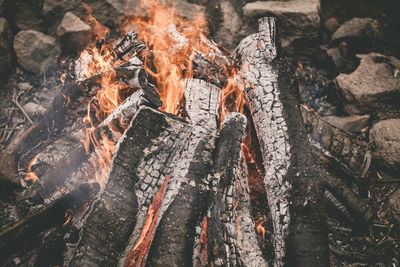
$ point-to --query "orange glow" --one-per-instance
(32, 176)
(260, 228)
(232, 98)
(142, 246)
(172, 41)
(68, 215)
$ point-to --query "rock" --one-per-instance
(24, 86)
(28, 15)
(351, 124)
(298, 23)
(73, 33)
(394, 205)
(2, 6)
(6, 52)
(35, 51)
(385, 136)
(331, 25)
(336, 56)
(374, 83)
(231, 22)
(33, 109)
(188, 10)
(54, 11)
(356, 28)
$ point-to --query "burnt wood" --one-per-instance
(293, 181)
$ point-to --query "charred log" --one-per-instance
(13, 238)
(231, 233)
(62, 111)
(293, 182)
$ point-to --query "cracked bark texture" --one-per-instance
(291, 179)
(231, 233)
(59, 162)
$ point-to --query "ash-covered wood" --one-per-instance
(231, 237)
(291, 178)
(59, 162)
(63, 111)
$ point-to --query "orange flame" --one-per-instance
(142, 246)
(32, 176)
(172, 41)
(260, 228)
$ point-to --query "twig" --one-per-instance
(15, 101)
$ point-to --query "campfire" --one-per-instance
(164, 148)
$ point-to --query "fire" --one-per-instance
(142, 246)
(32, 176)
(232, 98)
(173, 42)
(260, 228)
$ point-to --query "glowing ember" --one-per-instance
(32, 176)
(142, 246)
(68, 215)
(260, 228)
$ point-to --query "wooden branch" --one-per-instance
(291, 178)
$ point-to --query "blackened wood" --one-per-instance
(174, 239)
(63, 110)
(347, 149)
(231, 237)
(292, 180)
(13, 238)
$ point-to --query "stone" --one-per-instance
(2, 6)
(28, 15)
(231, 23)
(385, 137)
(33, 109)
(336, 56)
(373, 84)
(351, 124)
(73, 33)
(6, 52)
(331, 25)
(356, 28)
(24, 86)
(298, 23)
(35, 51)
(54, 11)
(394, 205)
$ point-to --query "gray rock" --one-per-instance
(6, 52)
(231, 24)
(350, 124)
(54, 11)
(336, 56)
(33, 109)
(385, 136)
(73, 33)
(298, 22)
(356, 28)
(331, 25)
(371, 85)
(28, 15)
(394, 205)
(35, 51)
(188, 10)
(24, 86)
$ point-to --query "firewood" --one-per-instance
(14, 237)
(292, 180)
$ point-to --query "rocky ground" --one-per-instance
(347, 59)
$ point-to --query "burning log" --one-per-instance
(292, 179)
(57, 169)
(13, 238)
(62, 111)
(231, 237)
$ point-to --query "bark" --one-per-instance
(231, 236)
(292, 180)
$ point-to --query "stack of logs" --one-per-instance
(176, 192)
